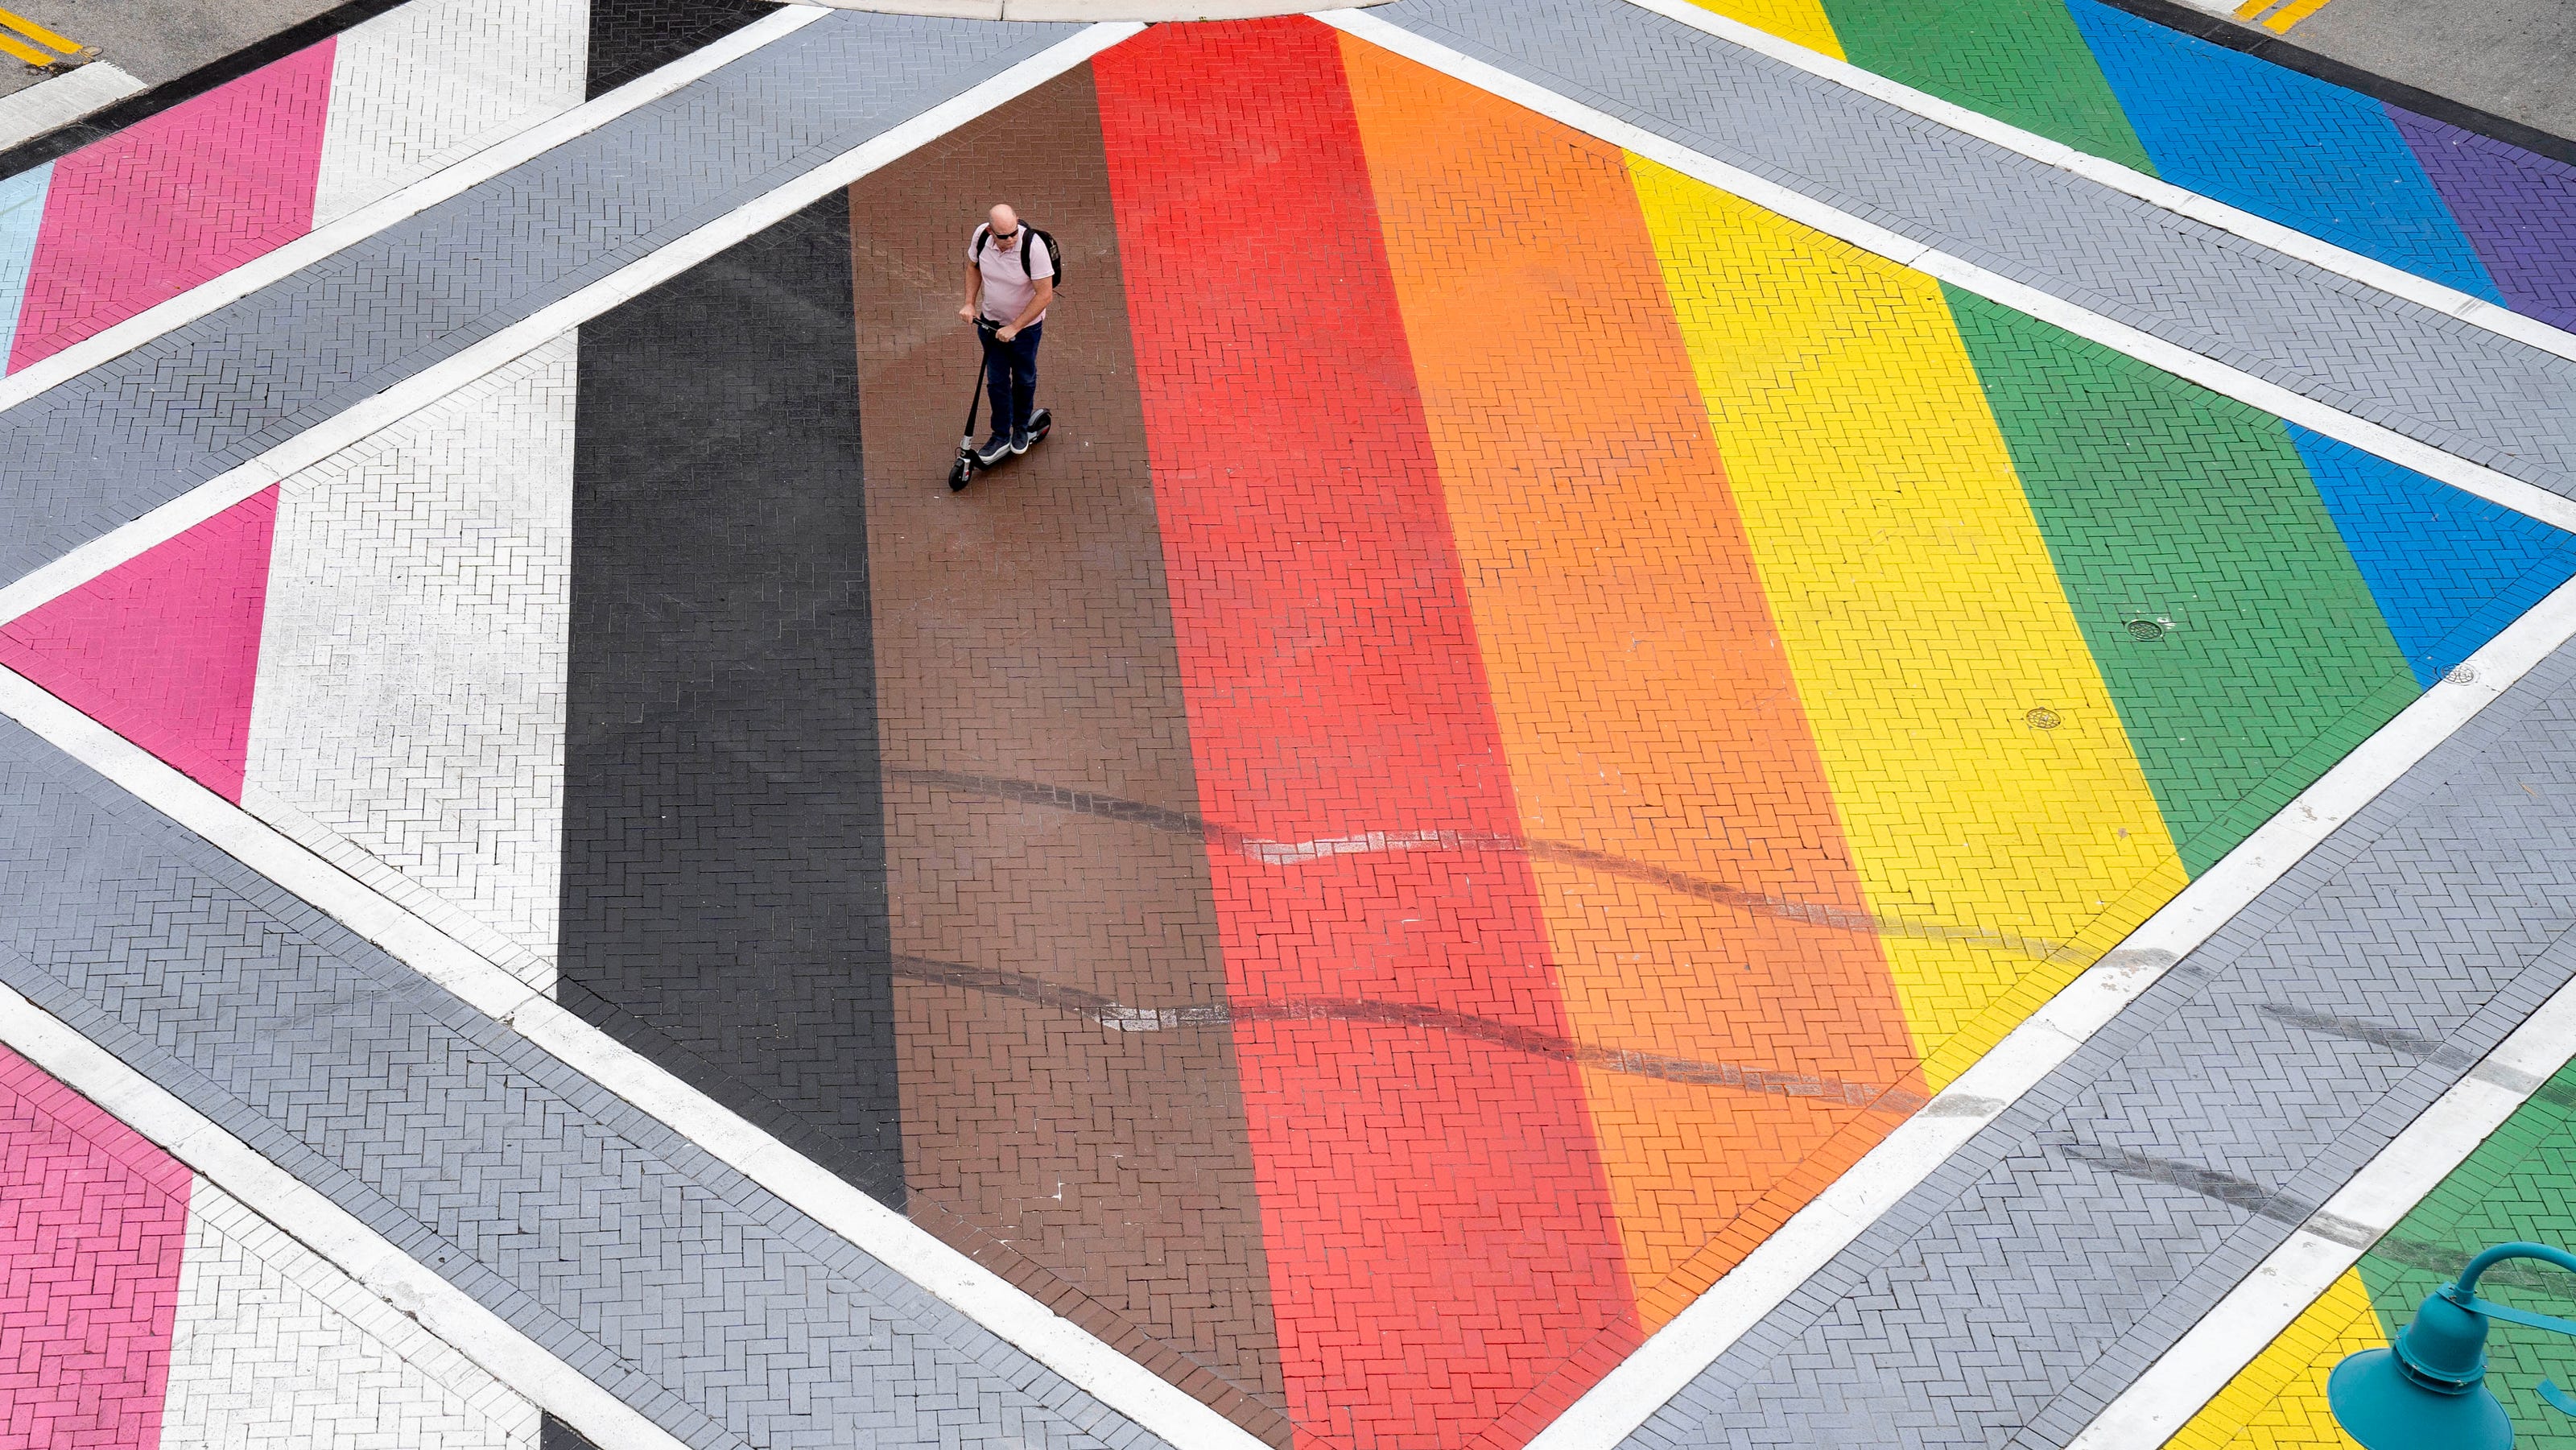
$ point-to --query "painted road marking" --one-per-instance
(2280, 21)
(63, 46)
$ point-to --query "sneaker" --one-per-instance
(1019, 440)
(995, 449)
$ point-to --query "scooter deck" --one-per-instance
(968, 465)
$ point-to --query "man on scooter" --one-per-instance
(1010, 279)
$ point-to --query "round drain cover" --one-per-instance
(2145, 629)
(2042, 718)
(2460, 675)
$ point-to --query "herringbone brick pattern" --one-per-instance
(275, 1347)
(2021, 1286)
(2469, 392)
(694, 1295)
(411, 666)
(135, 432)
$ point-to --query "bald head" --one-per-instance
(1006, 225)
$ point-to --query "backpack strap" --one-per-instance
(1028, 268)
(983, 234)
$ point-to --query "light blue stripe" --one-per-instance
(2281, 145)
(22, 206)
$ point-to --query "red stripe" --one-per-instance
(1439, 1229)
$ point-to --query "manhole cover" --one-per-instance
(2146, 629)
(2460, 675)
(2042, 718)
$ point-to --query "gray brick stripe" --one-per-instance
(2429, 376)
(689, 1292)
(2013, 1294)
(137, 431)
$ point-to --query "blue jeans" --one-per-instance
(1011, 377)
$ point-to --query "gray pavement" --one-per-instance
(131, 434)
(2515, 58)
(2021, 1287)
(693, 1295)
(2459, 388)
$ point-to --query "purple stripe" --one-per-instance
(2516, 208)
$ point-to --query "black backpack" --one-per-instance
(1055, 253)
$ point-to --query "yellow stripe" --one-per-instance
(2252, 8)
(1921, 616)
(2278, 1402)
(2280, 21)
(39, 34)
(1800, 20)
(28, 53)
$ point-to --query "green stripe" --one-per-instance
(2021, 61)
(2519, 1184)
(2162, 501)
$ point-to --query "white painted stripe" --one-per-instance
(374, 217)
(1675, 1355)
(427, 84)
(2315, 251)
(272, 1346)
(642, 275)
(2290, 1278)
(322, 1226)
(410, 700)
(2219, 378)
(51, 105)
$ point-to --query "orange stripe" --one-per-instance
(1688, 855)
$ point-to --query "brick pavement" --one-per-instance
(1022, 635)
(1150, 946)
(144, 1306)
(79, 459)
(2485, 398)
(719, 1312)
(2516, 1185)
(2008, 1298)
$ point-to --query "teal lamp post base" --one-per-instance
(2384, 1408)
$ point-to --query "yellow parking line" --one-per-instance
(39, 34)
(2280, 21)
(23, 51)
(2252, 8)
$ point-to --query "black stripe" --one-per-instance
(631, 38)
(2263, 46)
(143, 105)
(724, 891)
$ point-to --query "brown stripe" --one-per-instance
(1022, 630)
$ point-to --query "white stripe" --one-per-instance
(422, 87)
(272, 1346)
(642, 275)
(2219, 378)
(51, 105)
(2291, 1277)
(2315, 251)
(322, 1226)
(368, 220)
(419, 606)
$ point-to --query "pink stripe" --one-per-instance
(174, 200)
(164, 648)
(92, 1222)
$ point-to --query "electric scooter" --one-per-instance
(963, 471)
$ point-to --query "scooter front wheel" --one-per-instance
(961, 473)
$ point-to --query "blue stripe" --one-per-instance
(2288, 147)
(22, 206)
(2449, 569)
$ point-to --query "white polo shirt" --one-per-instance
(1006, 289)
